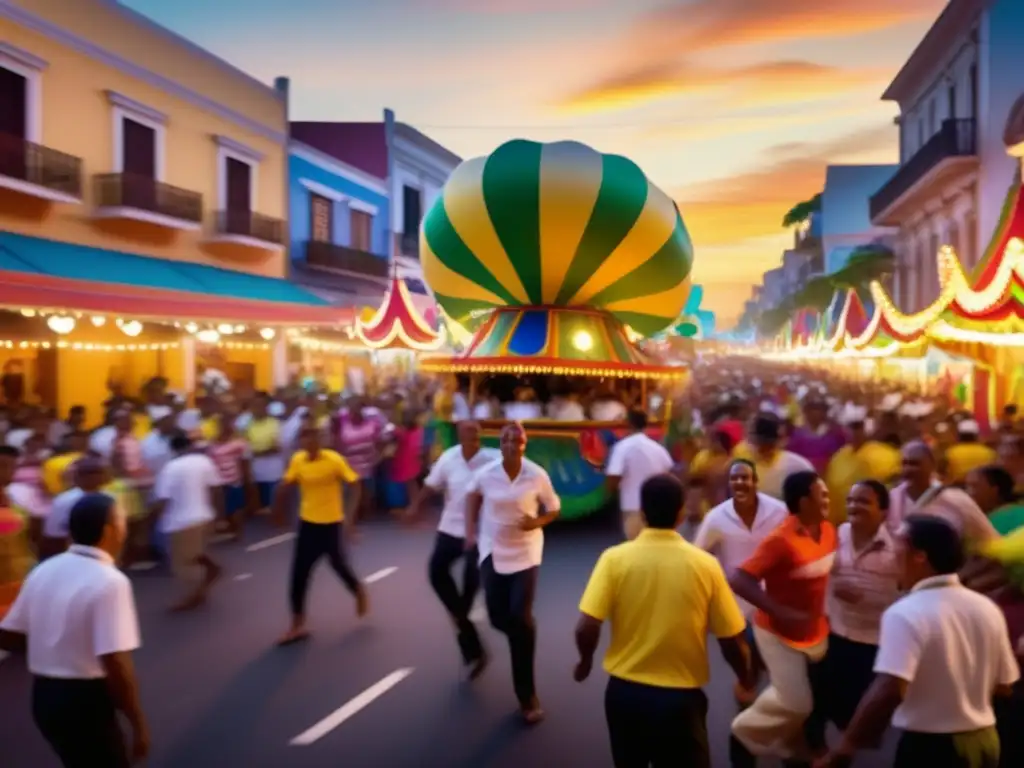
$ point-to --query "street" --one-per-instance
(385, 691)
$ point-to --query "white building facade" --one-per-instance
(955, 93)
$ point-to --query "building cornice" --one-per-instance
(339, 168)
(97, 53)
(929, 54)
(410, 154)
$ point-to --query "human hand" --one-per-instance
(582, 670)
(528, 523)
(140, 744)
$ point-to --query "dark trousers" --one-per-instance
(653, 727)
(509, 599)
(78, 719)
(838, 682)
(1010, 726)
(447, 551)
(316, 540)
(939, 750)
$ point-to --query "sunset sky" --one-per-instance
(732, 106)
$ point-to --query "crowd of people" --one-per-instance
(855, 550)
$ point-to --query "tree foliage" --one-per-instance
(801, 212)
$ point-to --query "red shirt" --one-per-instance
(795, 570)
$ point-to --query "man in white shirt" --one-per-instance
(452, 476)
(188, 498)
(504, 519)
(943, 653)
(633, 460)
(90, 475)
(156, 446)
(75, 616)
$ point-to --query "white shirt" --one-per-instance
(483, 410)
(31, 498)
(524, 411)
(74, 608)
(453, 475)
(950, 504)
(460, 407)
(156, 452)
(185, 485)
(724, 534)
(770, 477)
(102, 441)
(952, 647)
(190, 420)
(505, 501)
(635, 459)
(17, 438)
(567, 410)
(56, 525)
(608, 410)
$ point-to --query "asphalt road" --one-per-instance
(383, 692)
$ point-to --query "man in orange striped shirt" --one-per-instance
(790, 627)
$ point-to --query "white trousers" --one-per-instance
(774, 723)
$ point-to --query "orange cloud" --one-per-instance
(771, 82)
(657, 53)
(732, 209)
(510, 7)
(739, 124)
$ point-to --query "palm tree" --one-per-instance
(801, 212)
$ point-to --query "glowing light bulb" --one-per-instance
(132, 328)
(191, 327)
(98, 320)
(208, 336)
(267, 333)
(583, 341)
(61, 324)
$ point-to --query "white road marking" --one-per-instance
(271, 542)
(383, 573)
(353, 707)
(243, 576)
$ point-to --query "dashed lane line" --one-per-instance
(271, 542)
(383, 573)
(350, 709)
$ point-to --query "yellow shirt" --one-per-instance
(319, 482)
(662, 596)
(209, 429)
(264, 434)
(142, 425)
(964, 458)
(54, 470)
(873, 461)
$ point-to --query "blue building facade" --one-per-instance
(339, 226)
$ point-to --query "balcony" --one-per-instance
(139, 198)
(949, 154)
(341, 258)
(40, 172)
(248, 230)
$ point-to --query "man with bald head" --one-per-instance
(921, 493)
(451, 477)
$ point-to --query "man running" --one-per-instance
(633, 460)
(504, 504)
(319, 475)
(452, 475)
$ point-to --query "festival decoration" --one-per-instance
(556, 225)
(397, 324)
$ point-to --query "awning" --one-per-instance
(47, 274)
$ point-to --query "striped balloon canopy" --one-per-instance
(556, 225)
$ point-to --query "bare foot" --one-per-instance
(296, 635)
(533, 714)
(362, 602)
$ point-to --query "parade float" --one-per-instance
(558, 259)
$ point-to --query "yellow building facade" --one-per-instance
(139, 176)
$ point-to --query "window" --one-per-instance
(931, 118)
(951, 97)
(21, 94)
(321, 211)
(361, 230)
(974, 92)
(237, 167)
(138, 140)
(411, 210)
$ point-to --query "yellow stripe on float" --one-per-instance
(653, 228)
(570, 181)
(466, 208)
(665, 304)
(447, 282)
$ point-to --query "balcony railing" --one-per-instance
(44, 167)
(956, 138)
(140, 193)
(341, 257)
(249, 224)
(409, 243)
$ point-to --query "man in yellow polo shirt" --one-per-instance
(319, 475)
(662, 597)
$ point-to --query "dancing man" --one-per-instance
(452, 476)
(504, 509)
(319, 475)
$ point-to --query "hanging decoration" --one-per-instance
(397, 324)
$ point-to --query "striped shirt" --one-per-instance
(873, 574)
(229, 457)
(359, 442)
